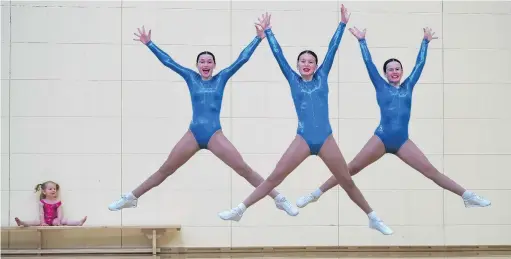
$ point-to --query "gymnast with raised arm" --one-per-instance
(309, 91)
(391, 135)
(205, 131)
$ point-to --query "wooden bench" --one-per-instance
(151, 232)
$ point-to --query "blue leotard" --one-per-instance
(395, 102)
(310, 97)
(206, 95)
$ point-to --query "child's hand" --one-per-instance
(44, 224)
(57, 222)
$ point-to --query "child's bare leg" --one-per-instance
(66, 222)
(27, 223)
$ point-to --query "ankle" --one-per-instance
(372, 215)
(466, 194)
(279, 197)
(317, 193)
(130, 196)
(242, 207)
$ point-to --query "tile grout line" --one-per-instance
(230, 114)
(443, 122)
(121, 131)
(338, 128)
(9, 128)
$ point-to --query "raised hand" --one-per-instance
(428, 34)
(357, 33)
(345, 15)
(260, 31)
(143, 36)
(264, 22)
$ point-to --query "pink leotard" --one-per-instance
(50, 211)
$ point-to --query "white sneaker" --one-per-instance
(123, 203)
(378, 224)
(305, 200)
(283, 204)
(474, 200)
(234, 214)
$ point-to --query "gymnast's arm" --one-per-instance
(169, 62)
(332, 49)
(375, 77)
(242, 58)
(279, 56)
(419, 65)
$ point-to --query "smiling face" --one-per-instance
(307, 63)
(205, 64)
(50, 190)
(393, 71)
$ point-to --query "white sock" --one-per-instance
(242, 207)
(372, 216)
(279, 197)
(467, 194)
(130, 196)
(317, 193)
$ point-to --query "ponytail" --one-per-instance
(40, 187)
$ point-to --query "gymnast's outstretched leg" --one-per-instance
(413, 156)
(22, 223)
(296, 153)
(220, 146)
(180, 154)
(370, 153)
(334, 160)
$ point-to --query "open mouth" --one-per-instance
(307, 70)
(205, 70)
(394, 77)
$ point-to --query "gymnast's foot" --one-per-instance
(473, 200)
(234, 214)
(283, 204)
(377, 224)
(126, 201)
(309, 198)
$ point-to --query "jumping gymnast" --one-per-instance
(205, 132)
(391, 136)
(309, 91)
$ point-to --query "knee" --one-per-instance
(242, 169)
(428, 170)
(167, 169)
(354, 169)
(431, 173)
(346, 183)
(274, 180)
(164, 172)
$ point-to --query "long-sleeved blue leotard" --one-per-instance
(310, 97)
(206, 95)
(395, 102)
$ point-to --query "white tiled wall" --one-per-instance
(86, 106)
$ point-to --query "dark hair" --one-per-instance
(308, 52)
(43, 186)
(205, 52)
(391, 60)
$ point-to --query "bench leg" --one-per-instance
(41, 239)
(154, 242)
(153, 236)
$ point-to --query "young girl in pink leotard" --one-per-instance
(50, 208)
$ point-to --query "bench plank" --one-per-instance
(177, 227)
(80, 251)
